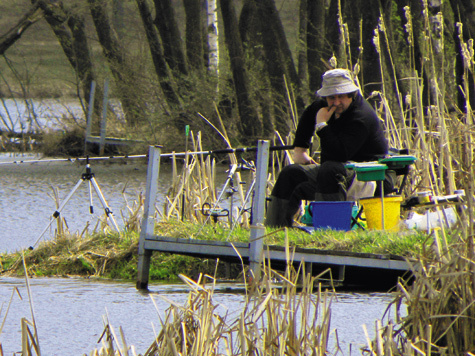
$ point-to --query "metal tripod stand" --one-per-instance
(228, 191)
(92, 183)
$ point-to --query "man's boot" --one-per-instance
(276, 215)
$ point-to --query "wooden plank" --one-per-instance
(225, 250)
(112, 140)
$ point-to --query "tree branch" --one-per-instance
(14, 34)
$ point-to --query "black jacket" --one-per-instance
(357, 135)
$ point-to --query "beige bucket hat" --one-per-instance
(337, 81)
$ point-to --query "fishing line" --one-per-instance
(164, 155)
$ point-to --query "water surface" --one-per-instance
(69, 313)
(28, 200)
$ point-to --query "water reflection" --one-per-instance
(17, 115)
(69, 313)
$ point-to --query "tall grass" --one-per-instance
(276, 319)
(197, 185)
(440, 316)
(281, 315)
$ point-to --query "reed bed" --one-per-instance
(281, 315)
(196, 185)
(425, 120)
(440, 316)
(417, 115)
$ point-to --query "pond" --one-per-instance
(69, 313)
(30, 115)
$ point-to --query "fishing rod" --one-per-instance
(209, 211)
(229, 150)
(165, 155)
(72, 160)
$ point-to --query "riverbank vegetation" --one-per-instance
(271, 319)
(114, 256)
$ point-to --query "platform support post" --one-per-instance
(90, 110)
(148, 221)
(258, 209)
(102, 141)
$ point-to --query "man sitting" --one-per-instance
(349, 130)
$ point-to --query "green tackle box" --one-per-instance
(399, 161)
(370, 172)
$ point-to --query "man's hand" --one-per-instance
(324, 114)
(301, 156)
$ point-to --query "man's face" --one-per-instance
(340, 101)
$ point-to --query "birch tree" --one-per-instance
(213, 43)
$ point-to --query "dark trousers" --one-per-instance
(296, 182)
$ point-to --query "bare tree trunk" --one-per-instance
(12, 35)
(371, 78)
(165, 22)
(280, 65)
(213, 38)
(332, 30)
(84, 66)
(251, 36)
(118, 17)
(418, 28)
(302, 44)
(251, 126)
(161, 68)
(250, 29)
(127, 88)
(74, 42)
(276, 72)
(194, 36)
(270, 10)
(315, 38)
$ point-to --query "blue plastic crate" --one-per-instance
(334, 215)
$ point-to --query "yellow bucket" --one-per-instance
(374, 215)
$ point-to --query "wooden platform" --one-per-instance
(377, 271)
(348, 268)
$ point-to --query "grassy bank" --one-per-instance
(114, 256)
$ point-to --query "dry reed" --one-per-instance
(440, 316)
(276, 319)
